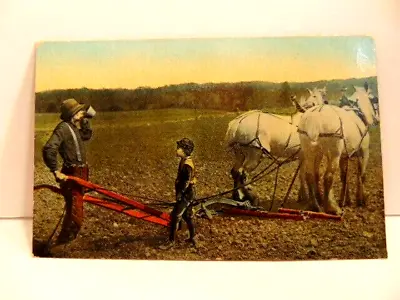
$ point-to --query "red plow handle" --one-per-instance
(124, 199)
(135, 209)
(128, 211)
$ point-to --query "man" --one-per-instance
(366, 86)
(344, 101)
(67, 139)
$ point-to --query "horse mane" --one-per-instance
(361, 97)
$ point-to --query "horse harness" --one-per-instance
(257, 139)
(339, 132)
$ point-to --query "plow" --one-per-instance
(117, 202)
(205, 207)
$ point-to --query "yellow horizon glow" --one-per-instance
(141, 69)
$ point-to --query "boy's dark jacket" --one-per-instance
(185, 177)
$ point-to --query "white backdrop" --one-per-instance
(23, 23)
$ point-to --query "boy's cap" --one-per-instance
(186, 144)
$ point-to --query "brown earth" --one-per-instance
(140, 161)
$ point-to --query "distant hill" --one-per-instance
(223, 96)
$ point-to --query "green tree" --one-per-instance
(284, 95)
(52, 108)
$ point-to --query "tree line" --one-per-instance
(219, 96)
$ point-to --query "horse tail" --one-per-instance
(312, 127)
(233, 126)
(230, 135)
(230, 132)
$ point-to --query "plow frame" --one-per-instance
(122, 204)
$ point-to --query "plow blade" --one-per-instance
(128, 211)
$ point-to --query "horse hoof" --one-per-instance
(344, 204)
(360, 203)
(302, 200)
(315, 208)
(337, 212)
(333, 210)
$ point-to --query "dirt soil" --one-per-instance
(150, 171)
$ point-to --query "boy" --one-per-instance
(185, 193)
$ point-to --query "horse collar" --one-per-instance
(360, 114)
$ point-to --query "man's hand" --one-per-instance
(60, 176)
(84, 123)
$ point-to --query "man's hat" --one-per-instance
(344, 89)
(69, 108)
(186, 144)
(366, 86)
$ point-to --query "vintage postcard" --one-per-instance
(245, 149)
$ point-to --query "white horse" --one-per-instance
(255, 135)
(337, 133)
